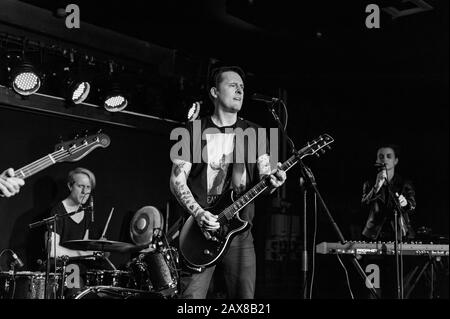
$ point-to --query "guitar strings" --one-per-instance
(40, 162)
(228, 211)
(46, 161)
(222, 217)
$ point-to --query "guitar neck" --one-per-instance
(38, 165)
(256, 190)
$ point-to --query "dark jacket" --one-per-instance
(380, 208)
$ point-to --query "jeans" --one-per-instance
(239, 265)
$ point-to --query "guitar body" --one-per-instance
(197, 249)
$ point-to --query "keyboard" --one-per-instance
(382, 248)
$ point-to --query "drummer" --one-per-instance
(80, 182)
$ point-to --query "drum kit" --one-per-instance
(153, 274)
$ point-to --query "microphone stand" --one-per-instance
(303, 185)
(309, 177)
(50, 222)
(398, 213)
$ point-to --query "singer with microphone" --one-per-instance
(379, 200)
(198, 185)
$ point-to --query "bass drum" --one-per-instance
(108, 292)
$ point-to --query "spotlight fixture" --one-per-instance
(78, 87)
(194, 111)
(25, 79)
(115, 99)
(78, 91)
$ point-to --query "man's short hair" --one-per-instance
(216, 75)
(81, 170)
(394, 147)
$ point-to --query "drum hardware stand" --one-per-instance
(64, 260)
(309, 178)
(13, 276)
(50, 222)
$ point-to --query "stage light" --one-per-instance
(115, 100)
(79, 91)
(194, 111)
(25, 79)
(76, 79)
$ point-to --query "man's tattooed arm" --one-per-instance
(263, 164)
(179, 188)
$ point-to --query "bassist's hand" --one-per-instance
(207, 220)
(9, 185)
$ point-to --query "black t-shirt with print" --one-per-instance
(221, 160)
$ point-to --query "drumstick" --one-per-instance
(107, 222)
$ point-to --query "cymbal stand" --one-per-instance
(64, 260)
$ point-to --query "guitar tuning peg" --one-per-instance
(317, 154)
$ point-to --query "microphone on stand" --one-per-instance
(264, 98)
(17, 261)
(91, 207)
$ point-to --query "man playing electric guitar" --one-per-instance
(198, 184)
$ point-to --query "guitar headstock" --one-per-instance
(320, 144)
(76, 149)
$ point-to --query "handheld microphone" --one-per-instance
(17, 261)
(379, 164)
(264, 98)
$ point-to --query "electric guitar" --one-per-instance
(70, 151)
(201, 248)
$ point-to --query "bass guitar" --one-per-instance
(69, 151)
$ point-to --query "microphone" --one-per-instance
(380, 165)
(17, 261)
(91, 207)
(264, 98)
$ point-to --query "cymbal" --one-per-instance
(146, 223)
(101, 245)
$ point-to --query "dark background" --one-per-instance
(362, 86)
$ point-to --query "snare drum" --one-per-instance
(117, 278)
(29, 285)
(113, 278)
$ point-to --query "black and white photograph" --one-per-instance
(238, 153)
